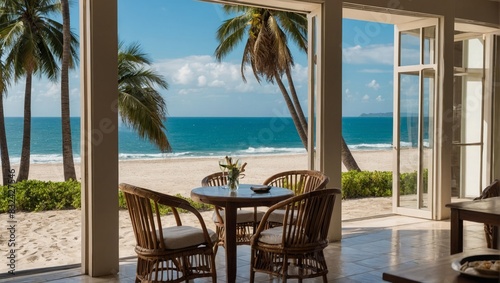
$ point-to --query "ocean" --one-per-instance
(199, 137)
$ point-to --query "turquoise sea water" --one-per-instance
(192, 137)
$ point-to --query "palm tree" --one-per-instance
(266, 51)
(4, 150)
(32, 42)
(66, 63)
(140, 105)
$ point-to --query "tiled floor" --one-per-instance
(369, 247)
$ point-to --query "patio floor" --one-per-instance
(369, 247)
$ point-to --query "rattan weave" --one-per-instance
(155, 262)
(304, 235)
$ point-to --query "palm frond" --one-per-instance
(295, 26)
(140, 105)
(229, 34)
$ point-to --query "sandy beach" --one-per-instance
(52, 238)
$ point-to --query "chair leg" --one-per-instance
(214, 270)
(284, 271)
(495, 239)
(216, 247)
(253, 259)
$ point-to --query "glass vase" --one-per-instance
(233, 179)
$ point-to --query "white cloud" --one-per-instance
(48, 91)
(373, 84)
(202, 81)
(375, 71)
(183, 76)
(202, 74)
(349, 96)
(379, 98)
(366, 98)
(217, 83)
(370, 54)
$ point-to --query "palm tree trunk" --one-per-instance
(293, 112)
(296, 102)
(347, 158)
(24, 166)
(67, 147)
(4, 150)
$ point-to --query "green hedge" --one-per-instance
(366, 184)
(34, 195)
(377, 183)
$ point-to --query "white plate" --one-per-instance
(457, 265)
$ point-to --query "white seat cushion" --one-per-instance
(178, 237)
(243, 216)
(272, 236)
(278, 216)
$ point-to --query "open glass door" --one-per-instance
(468, 117)
(415, 75)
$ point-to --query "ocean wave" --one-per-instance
(44, 158)
(271, 150)
(370, 146)
(57, 158)
(382, 146)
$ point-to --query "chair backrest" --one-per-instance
(142, 205)
(215, 179)
(299, 181)
(493, 190)
(306, 219)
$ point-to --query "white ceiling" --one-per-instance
(356, 12)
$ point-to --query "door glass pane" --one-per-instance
(471, 111)
(410, 47)
(475, 53)
(408, 143)
(429, 45)
(470, 162)
(467, 118)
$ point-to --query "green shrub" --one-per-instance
(366, 184)
(379, 183)
(34, 195)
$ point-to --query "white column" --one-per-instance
(329, 105)
(444, 114)
(99, 132)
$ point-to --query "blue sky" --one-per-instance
(179, 36)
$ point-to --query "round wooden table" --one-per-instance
(231, 201)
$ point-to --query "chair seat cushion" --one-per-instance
(274, 236)
(178, 237)
(278, 216)
(242, 216)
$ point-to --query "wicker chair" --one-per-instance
(295, 249)
(299, 181)
(491, 231)
(246, 220)
(168, 254)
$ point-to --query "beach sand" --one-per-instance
(52, 238)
